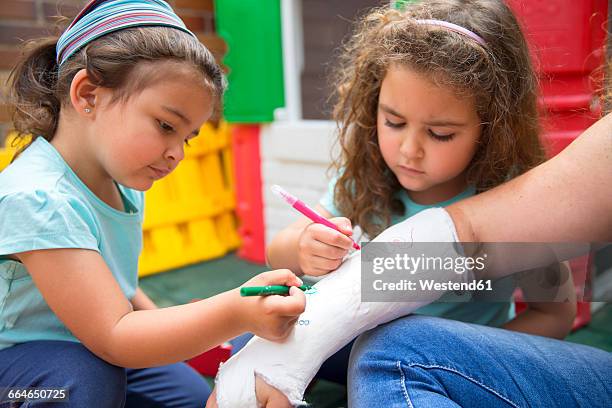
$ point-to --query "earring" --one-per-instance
(87, 110)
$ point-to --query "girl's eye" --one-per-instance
(441, 138)
(393, 125)
(167, 128)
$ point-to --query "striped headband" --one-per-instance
(456, 28)
(101, 17)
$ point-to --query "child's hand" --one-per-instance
(273, 317)
(321, 249)
(267, 396)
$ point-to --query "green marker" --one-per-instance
(269, 290)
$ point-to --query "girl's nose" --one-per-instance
(412, 147)
(175, 153)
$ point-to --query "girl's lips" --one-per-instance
(410, 170)
(159, 173)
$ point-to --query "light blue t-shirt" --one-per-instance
(461, 306)
(43, 205)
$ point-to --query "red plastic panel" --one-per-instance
(562, 127)
(567, 42)
(249, 202)
(208, 362)
(566, 36)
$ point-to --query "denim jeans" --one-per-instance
(424, 362)
(92, 382)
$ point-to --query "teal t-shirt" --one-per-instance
(44, 205)
(461, 306)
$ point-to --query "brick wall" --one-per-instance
(26, 19)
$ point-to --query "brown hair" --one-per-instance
(39, 88)
(499, 76)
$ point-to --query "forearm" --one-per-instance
(140, 338)
(532, 321)
(564, 199)
(282, 252)
(551, 308)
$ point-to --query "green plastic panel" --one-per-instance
(252, 31)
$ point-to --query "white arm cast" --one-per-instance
(335, 316)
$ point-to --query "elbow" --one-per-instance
(116, 349)
(121, 358)
(105, 351)
(110, 351)
(568, 312)
(572, 311)
(268, 254)
(111, 358)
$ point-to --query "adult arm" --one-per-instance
(567, 198)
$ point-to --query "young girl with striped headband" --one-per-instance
(110, 105)
(435, 103)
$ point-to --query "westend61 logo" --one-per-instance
(419, 271)
(411, 271)
(414, 264)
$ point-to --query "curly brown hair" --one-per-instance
(499, 76)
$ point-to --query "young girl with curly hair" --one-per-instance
(433, 105)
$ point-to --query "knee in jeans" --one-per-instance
(93, 380)
(415, 329)
(413, 333)
(106, 388)
(198, 397)
(189, 386)
(196, 392)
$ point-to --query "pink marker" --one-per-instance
(307, 211)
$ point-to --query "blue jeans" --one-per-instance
(92, 382)
(421, 361)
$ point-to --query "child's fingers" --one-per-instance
(317, 271)
(326, 264)
(331, 237)
(327, 251)
(212, 400)
(268, 396)
(344, 224)
(288, 326)
(292, 305)
(298, 299)
(281, 331)
(292, 322)
(279, 277)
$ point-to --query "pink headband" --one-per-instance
(456, 28)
